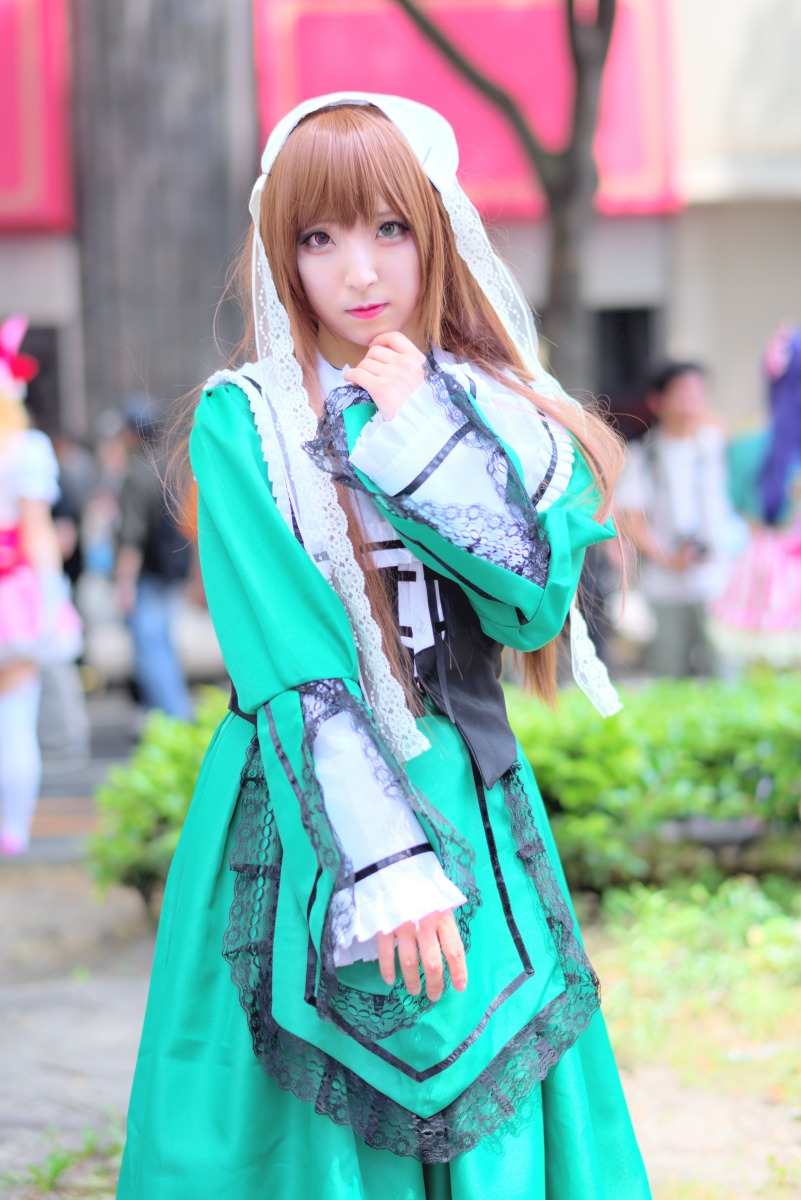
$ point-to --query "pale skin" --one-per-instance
(364, 286)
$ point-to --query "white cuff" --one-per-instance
(393, 453)
(405, 891)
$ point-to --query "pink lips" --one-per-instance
(367, 311)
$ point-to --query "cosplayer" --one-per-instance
(38, 624)
(757, 619)
(369, 984)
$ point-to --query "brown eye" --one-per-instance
(316, 238)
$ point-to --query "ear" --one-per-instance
(653, 402)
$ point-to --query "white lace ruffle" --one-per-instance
(589, 672)
(392, 453)
(406, 891)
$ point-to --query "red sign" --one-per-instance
(310, 47)
(35, 180)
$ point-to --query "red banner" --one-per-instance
(35, 178)
(310, 47)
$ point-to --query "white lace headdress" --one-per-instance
(285, 418)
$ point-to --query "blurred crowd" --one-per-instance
(99, 584)
(712, 528)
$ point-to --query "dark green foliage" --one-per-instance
(143, 804)
(621, 791)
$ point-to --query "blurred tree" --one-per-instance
(165, 147)
(568, 178)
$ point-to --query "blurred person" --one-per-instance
(153, 561)
(674, 506)
(37, 621)
(64, 729)
(757, 618)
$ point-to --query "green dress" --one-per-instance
(265, 1071)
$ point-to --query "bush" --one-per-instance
(143, 804)
(623, 793)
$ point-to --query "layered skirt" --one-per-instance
(213, 1117)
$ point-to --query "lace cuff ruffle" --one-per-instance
(405, 891)
(393, 453)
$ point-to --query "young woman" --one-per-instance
(368, 980)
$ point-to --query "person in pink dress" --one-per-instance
(757, 618)
(37, 621)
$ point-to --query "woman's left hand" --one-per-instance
(390, 371)
(426, 942)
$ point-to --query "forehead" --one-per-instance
(347, 175)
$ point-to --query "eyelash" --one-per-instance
(399, 225)
(307, 237)
(306, 240)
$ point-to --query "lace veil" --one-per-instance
(286, 421)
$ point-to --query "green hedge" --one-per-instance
(619, 791)
(144, 803)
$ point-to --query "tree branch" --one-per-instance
(542, 161)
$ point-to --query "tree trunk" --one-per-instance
(157, 224)
(569, 180)
(568, 326)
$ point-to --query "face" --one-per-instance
(683, 403)
(360, 282)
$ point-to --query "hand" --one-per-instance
(390, 371)
(689, 554)
(434, 936)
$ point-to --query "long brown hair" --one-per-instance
(334, 166)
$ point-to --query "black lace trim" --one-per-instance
(379, 1016)
(512, 539)
(500, 1100)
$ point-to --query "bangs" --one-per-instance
(336, 167)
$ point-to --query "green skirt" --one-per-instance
(206, 1120)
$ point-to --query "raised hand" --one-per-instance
(390, 371)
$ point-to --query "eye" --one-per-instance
(392, 229)
(316, 239)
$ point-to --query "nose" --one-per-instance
(360, 270)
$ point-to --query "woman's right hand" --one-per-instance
(424, 942)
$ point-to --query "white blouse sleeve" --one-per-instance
(36, 468)
(398, 877)
(423, 451)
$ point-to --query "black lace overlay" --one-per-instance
(501, 1099)
(513, 539)
(380, 1016)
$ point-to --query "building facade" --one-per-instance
(130, 137)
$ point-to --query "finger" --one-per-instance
(371, 366)
(378, 353)
(431, 958)
(407, 957)
(399, 342)
(360, 378)
(386, 956)
(453, 948)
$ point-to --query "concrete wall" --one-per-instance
(40, 276)
(738, 93)
(736, 272)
